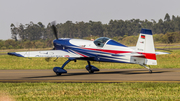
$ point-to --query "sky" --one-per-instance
(45, 11)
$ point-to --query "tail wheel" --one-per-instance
(150, 71)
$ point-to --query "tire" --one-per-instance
(90, 71)
(58, 74)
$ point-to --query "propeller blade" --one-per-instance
(53, 25)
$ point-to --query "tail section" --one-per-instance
(145, 46)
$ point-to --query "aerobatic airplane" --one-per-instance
(102, 49)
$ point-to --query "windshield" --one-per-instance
(101, 41)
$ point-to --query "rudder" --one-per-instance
(145, 45)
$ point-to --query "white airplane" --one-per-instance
(102, 49)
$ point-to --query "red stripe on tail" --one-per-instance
(148, 55)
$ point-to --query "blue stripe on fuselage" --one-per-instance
(62, 44)
(92, 53)
(112, 42)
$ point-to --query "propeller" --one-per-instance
(53, 25)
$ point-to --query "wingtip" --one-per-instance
(10, 53)
(15, 54)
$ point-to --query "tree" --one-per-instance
(22, 33)
(167, 17)
(14, 32)
(10, 44)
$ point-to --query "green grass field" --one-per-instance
(90, 91)
(11, 62)
(87, 91)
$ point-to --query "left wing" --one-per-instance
(47, 53)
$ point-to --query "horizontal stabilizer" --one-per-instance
(161, 53)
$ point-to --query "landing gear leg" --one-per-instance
(90, 67)
(66, 63)
(60, 70)
(150, 71)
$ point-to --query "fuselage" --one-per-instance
(102, 49)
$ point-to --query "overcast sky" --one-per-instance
(45, 11)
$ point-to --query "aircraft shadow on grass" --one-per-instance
(130, 72)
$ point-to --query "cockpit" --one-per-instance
(101, 41)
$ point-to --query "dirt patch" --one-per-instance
(5, 97)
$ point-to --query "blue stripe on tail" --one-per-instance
(146, 31)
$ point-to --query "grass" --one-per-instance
(90, 91)
(11, 62)
(87, 91)
(167, 46)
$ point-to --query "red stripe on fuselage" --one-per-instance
(81, 54)
(108, 51)
(146, 55)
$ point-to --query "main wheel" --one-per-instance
(58, 74)
(150, 71)
(90, 71)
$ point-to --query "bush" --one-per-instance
(129, 40)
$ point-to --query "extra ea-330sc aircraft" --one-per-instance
(102, 49)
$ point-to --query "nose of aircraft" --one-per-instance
(62, 43)
(58, 44)
(55, 44)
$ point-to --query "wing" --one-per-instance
(47, 53)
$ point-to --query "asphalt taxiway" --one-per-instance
(81, 75)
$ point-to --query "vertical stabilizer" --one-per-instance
(145, 45)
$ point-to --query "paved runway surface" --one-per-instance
(81, 75)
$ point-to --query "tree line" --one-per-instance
(82, 29)
(12, 44)
(38, 35)
(169, 37)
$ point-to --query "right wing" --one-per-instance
(48, 53)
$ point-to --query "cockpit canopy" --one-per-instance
(101, 41)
